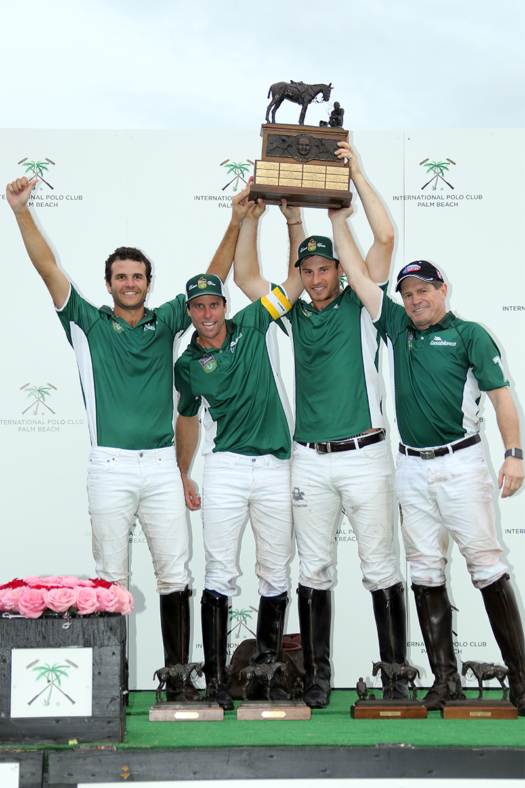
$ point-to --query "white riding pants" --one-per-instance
(235, 487)
(125, 484)
(360, 481)
(450, 495)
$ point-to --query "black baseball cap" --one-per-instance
(421, 269)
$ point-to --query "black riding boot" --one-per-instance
(505, 621)
(435, 619)
(214, 613)
(269, 646)
(315, 618)
(175, 626)
(390, 615)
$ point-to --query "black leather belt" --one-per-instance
(429, 454)
(347, 444)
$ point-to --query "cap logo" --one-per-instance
(201, 284)
(408, 268)
(312, 246)
(439, 274)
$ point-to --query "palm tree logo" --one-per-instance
(52, 674)
(39, 394)
(238, 170)
(240, 617)
(438, 170)
(36, 169)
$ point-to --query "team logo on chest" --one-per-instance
(117, 327)
(208, 363)
(307, 312)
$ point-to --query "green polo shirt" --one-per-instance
(126, 373)
(238, 384)
(337, 387)
(439, 374)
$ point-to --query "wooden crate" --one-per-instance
(106, 635)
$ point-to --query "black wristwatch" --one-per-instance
(518, 453)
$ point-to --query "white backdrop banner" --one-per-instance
(455, 197)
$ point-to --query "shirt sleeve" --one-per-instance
(188, 405)
(485, 358)
(174, 314)
(267, 309)
(78, 311)
(392, 319)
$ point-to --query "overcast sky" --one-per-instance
(167, 64)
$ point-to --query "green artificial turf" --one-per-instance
(331, 727)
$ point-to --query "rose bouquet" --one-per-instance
(34, 596)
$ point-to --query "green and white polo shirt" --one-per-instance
(126, 373)
(337, 387)
(438, 375)
(238, 384)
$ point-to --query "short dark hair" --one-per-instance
(127, 253)
(438, 284)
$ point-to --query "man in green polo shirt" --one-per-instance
(442, 364)
(125, 361)
(228, 370)
(340, 454)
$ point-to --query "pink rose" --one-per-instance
(33, 580)
(125, 600)
(9, 598)
(67, 582)
(85, 583)
(60, 599)
(50, 581)
(87, 601)
(31, 603)
(107, 601)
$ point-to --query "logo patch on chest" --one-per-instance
(208, 363)
(307, 312)
(117, 327)
(442, 342)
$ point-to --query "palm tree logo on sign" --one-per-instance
(238, 170)
(52, 675)
(240, 617)
(36, 169)
(438, 169)
(37, 394)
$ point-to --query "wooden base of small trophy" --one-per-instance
(186, 712)
(471, 709)
(274, 710)
(299, 164)
(388, 710)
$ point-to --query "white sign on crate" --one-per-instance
(10, 775)
(51, 682)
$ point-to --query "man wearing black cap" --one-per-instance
(340, 455)
(441, 366)
(228, 368)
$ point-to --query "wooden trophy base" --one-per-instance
(274, 710)
(299, 163)
(388, 710)
(479, 710)
(186, 712)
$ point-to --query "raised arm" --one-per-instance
(246, 270)
(511, 472)
(379, 256)
(223, 257)
(18, 193)
(353, 264)
(186, 439)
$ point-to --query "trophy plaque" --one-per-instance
(181, 710)
(481, 708)
(299, 163)
(368, 708)
(267, 676)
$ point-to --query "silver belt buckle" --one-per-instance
(328, 449)
(427, 454)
